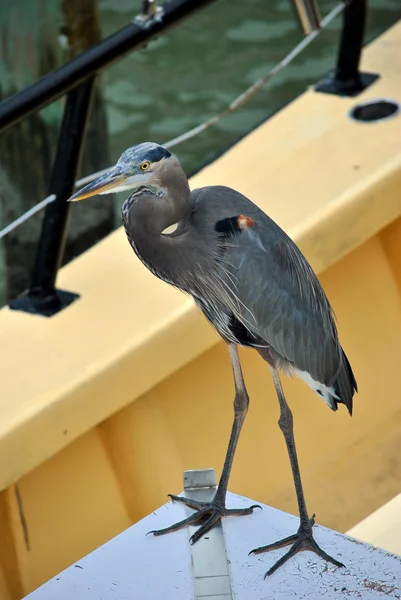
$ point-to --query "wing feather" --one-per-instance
(289, 308)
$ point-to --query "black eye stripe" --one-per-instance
(157, 154)
(147, 152)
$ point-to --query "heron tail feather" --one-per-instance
(345, 384)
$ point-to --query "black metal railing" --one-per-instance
(76, 79)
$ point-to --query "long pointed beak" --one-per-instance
(115, 180)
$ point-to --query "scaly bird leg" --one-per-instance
(207, 514)
(303, 538)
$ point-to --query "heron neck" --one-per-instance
(145, 222)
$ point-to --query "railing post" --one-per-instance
(347, 74)
(42, 297)
(347, 79)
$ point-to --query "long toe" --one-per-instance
(239, 512)
(314, 547)
(206, 514)
(197, 516)
(275, 545)
(302, 540)
(215, 515)
(195, 504)
(214, 518)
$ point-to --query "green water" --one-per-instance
(192, 73)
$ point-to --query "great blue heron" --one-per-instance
(254, 286)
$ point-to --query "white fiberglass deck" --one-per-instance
(133, 566)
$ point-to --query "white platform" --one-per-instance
(134, 567)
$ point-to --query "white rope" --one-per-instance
(235, 105)
(29, 213)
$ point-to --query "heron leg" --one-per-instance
(303, 538)
(207, 514)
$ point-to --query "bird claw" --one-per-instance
(302, 540)
(207, 515)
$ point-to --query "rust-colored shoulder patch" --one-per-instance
(244, 222)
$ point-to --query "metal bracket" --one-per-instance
(209, 558)
(45, 306)
(150, 12)
(331, 84)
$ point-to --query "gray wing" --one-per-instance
(282, 301)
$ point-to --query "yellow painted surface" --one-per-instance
(10, 575)
(59, 524)
(390, 239)
(103, 405)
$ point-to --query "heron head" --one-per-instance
(138, 166)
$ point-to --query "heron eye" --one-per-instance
(145, 165)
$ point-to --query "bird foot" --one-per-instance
(302, 540)
(207, 514)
